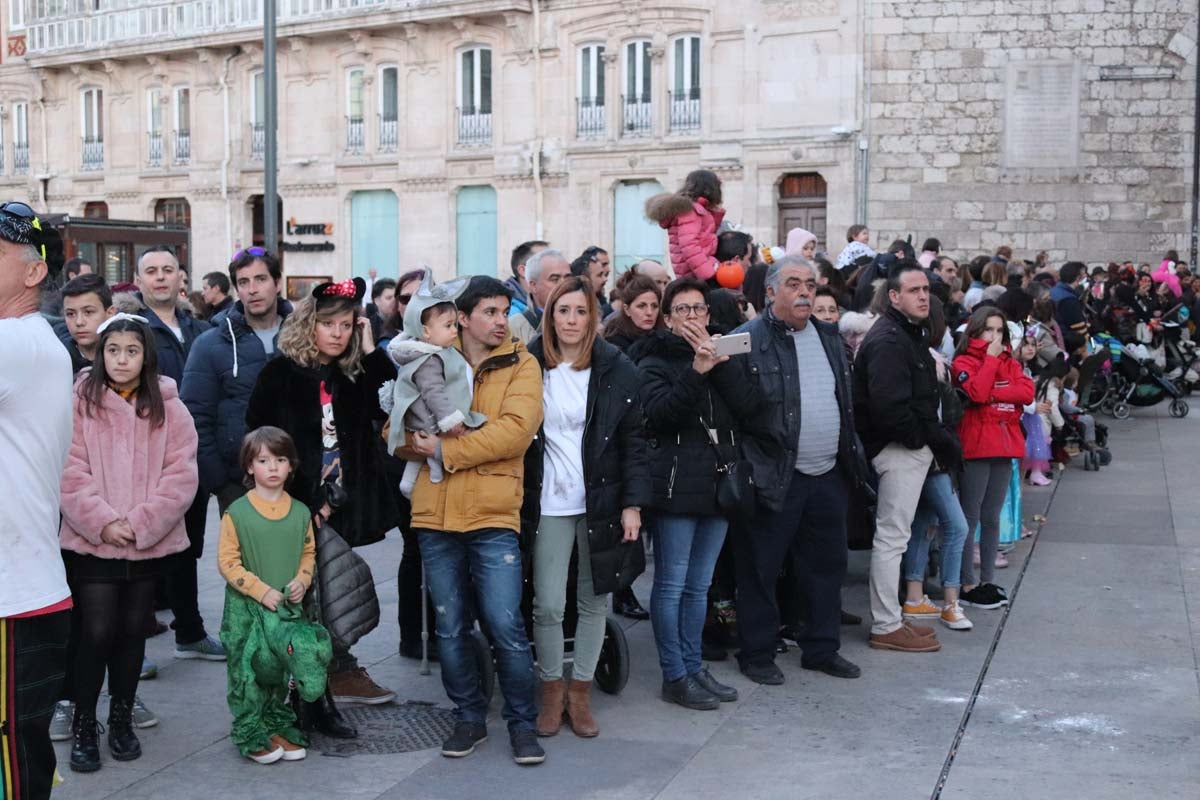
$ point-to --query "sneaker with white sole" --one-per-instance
(922, 609)
(954, 618)
(149, 670)
(986, 595)
(60, 723)
(142, 716)
(266, 756)
(207, 648)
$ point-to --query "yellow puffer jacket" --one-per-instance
(484, 476)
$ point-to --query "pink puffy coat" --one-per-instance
(691, 231)
(1163, 275)
(121, 467)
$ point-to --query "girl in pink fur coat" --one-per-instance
(691, 218)
(130, 476)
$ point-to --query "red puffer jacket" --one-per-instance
(998, 389)
(692, 232)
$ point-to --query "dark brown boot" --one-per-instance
(579, 710)
(552, 704)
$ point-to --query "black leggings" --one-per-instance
(111, 620)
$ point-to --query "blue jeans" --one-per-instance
(939, 506)
(484, 565)
(685, 554)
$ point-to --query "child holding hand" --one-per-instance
(267, 542)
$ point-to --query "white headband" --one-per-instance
(119, 317)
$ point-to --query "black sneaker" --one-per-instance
(462, 742)
(688, 692)
(987, 595)
(764, 672)
(525, 747)
(726, 694)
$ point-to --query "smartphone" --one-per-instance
(732, 345)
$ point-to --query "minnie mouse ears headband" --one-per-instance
(349, 289)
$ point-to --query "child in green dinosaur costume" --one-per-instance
(267, 542)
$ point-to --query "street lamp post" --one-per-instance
(271, 123)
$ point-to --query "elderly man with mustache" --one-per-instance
(805, 456)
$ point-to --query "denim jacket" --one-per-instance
(774, 432)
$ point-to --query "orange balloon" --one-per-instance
(730, 275)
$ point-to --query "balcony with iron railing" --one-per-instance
(474, 127)
(93, 153)
(21, 158)
(154, 154)
(355, 136)
(589, 117)
(685, 111)
(82, 27)
(183, 147)
(389, 134)
(258, 140)
(637, 115)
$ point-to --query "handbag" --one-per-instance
(345, 601)
(736, 495)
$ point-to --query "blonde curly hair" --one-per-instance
(298, 336)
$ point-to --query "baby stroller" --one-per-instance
(1179, 349)
(1071, 439)
(1138, 381)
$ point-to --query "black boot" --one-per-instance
(85, 751)
(323, 717)
(122, 741)
(626, 604)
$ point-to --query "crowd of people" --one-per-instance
(526, 437)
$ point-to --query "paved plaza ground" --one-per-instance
(1086, 688)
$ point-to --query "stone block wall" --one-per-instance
(941, 93)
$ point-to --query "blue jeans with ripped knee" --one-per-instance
(480, 571)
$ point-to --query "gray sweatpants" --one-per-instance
(983, 487)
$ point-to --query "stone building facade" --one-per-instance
(434, 131)
(1056, 125)
(443, 132)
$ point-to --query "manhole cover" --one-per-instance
(391, 728)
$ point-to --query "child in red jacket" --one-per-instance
(997, 389)
(691, 217)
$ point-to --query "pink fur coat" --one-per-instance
(120, 467)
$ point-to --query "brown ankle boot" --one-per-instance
(579, 710)
(552, 705)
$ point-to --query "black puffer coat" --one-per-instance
(683, 462)
(288, 396)
(616, 470)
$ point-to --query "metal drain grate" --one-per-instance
(392, 728)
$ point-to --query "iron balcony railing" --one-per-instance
(589, 117)
(154, 155)
(389, 134)
(636, 116)
(93, 153)
(355, 135)
(685, 111)
(258, 140)
(183, 147)
(21, 158)
(474, 128)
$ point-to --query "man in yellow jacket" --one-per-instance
(467, 526)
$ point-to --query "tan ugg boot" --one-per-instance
(552, 704)
(579, 710)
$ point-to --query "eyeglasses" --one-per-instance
(697, 310)
(256, 252)
(403, 298)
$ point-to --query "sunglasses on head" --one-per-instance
(404, 298)
(21, 232)
(256, 252)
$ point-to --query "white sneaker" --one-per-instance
(954, 618)
(266, 756)
(60, 723)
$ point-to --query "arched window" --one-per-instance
(389, 108)
(354, 111)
